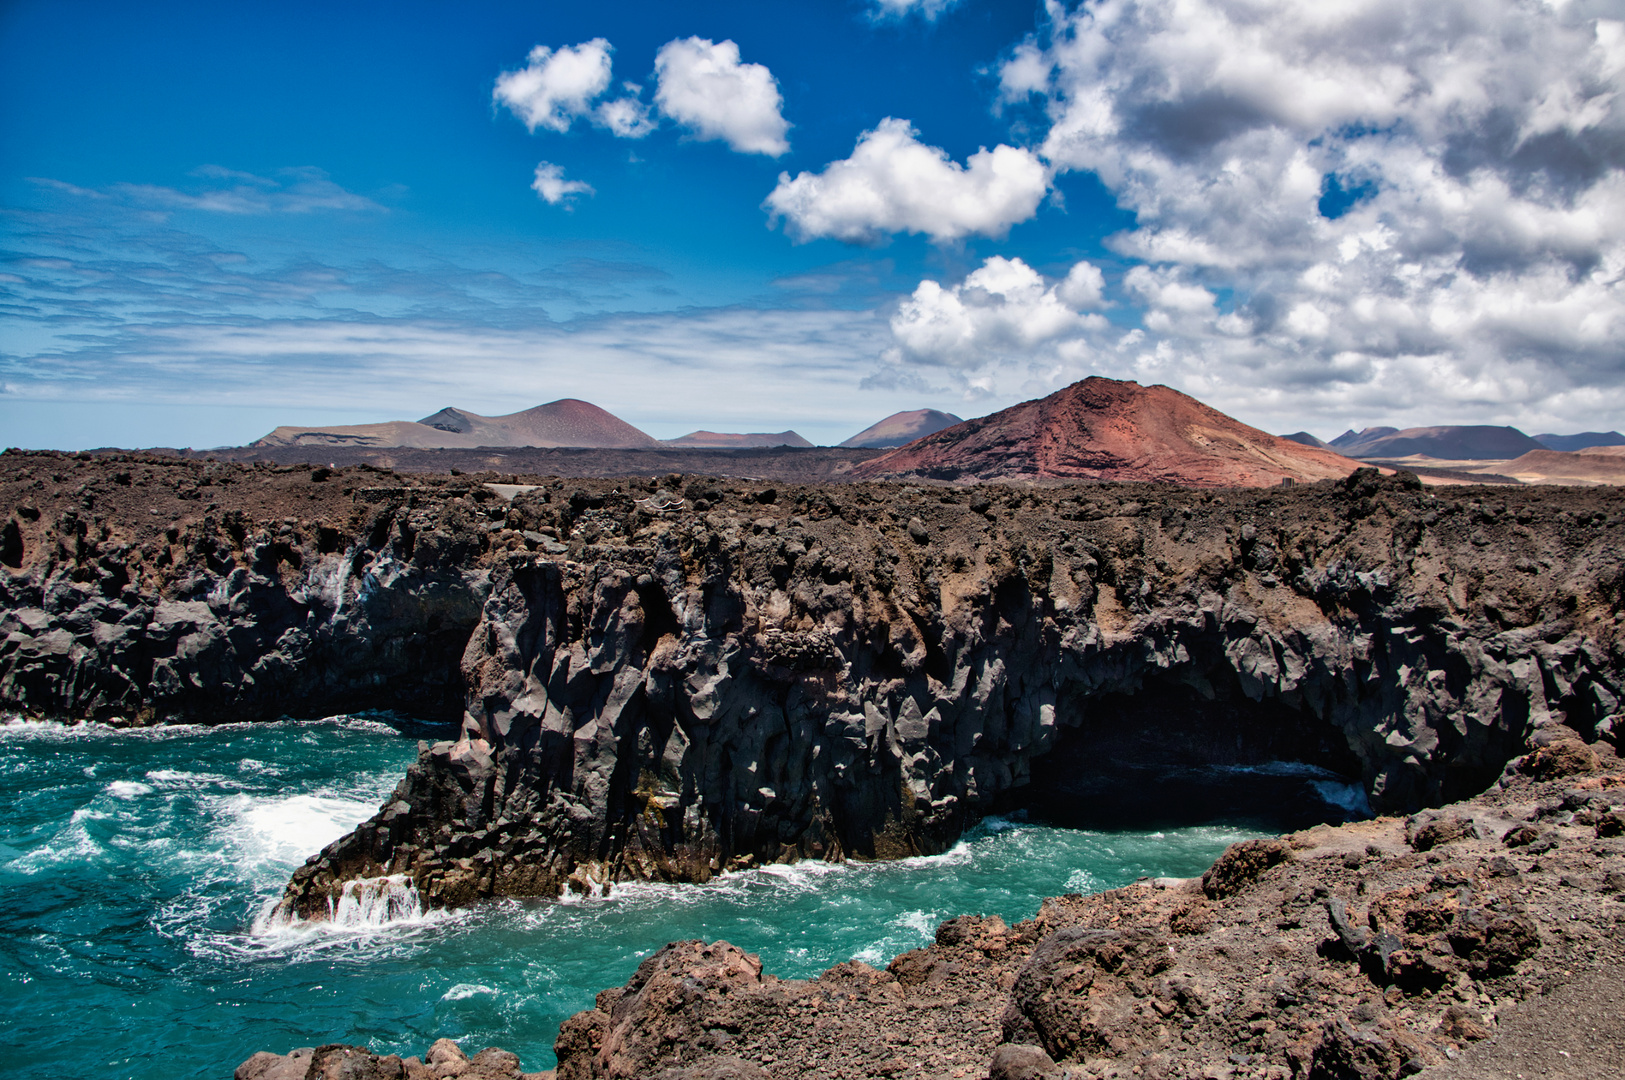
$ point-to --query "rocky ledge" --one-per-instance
(336, 1061)
(729, 675)
(667, 677)
(1480, 940)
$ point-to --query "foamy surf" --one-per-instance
(285, 831)
(370, 914)
(367, 903)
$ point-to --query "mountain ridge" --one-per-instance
(565, 422)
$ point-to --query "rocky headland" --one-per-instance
(666, 677)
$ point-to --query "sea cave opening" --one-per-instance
(1188, 751)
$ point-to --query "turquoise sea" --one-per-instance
(135, 867)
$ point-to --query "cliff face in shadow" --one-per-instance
(772, 675)
(664, 678)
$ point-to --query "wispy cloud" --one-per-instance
(790, 368)
(219, 190)
(929, 10)
(551, 185)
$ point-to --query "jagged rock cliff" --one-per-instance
(770, 675)
(664, 678)
(149, 590)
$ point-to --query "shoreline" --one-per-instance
(1241, 973)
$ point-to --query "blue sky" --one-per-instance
(218, 218)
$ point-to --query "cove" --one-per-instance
(134, 865)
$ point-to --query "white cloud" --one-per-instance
(1083, 287)
(901, 9)
(703, 86)
(895, 183)
(556, 87)
(1476, 270)
(783, 369)
(551, 185)
(626, 117)
(1003, 308)
(226, 191)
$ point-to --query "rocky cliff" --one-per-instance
(664, 678)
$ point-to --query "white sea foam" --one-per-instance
(185, 779)
(1082, 881)
(373, 902)
(286, 830)
(464, 991)
(128, 789)
(1348, 796)
(919, 922)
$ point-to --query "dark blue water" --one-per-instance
(134, 867)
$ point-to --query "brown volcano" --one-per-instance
(566, 422)
(1103, 429)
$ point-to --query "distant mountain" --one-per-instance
(566, 422)
(1583, 441)
(1561, 467)
(1351, 437)
(1459, 443)
(723, 440)
(1303, 438)
(903, 427)
(1103, 429)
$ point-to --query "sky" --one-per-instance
(1320, 215)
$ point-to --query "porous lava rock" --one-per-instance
(336, 1061)
(1098, 986)
(673, 676)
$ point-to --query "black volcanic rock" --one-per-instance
(667, 678)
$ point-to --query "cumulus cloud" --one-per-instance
(1375, 208)
(626, 117)
(895, 183)
(556, 87)
(1005, 307)
(551, 185)
(703, 86)
(928, 10)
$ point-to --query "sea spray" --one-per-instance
(372, 902)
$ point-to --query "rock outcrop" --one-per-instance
(1376, 949)
(765, 675)
(1355, 955)
(138, 591)
(336, 1061)
(666, 678)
